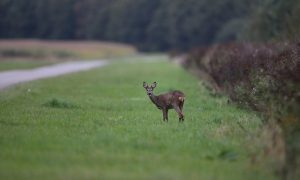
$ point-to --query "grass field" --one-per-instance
(43, 49)
(13, 64)
(30, 53)
(101, 125)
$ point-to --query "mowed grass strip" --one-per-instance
(17, 64)
(100, 124)
(49, 49)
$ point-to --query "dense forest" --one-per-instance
(154, 25)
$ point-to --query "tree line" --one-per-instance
(155, 25)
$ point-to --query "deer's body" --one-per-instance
(171, 100)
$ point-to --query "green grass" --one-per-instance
(101, 125)
(14, 64)
(44, 49)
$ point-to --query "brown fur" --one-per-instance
(181, 99)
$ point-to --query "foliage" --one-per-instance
(151, 25)
(264, 78)
(275, 20)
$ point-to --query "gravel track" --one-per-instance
(9, 78)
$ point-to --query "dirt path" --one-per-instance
(8, 78)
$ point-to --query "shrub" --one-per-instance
(263, 77)
(59, 103)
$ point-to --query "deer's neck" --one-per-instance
(154, 99)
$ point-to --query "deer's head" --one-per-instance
(148, 88)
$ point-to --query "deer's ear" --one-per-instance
(144, 84)
(154, 85)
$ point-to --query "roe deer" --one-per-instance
(170, 100)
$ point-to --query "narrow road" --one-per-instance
(8, 78)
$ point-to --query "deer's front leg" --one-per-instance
(167, 118)
(165, 114)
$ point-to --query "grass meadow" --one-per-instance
(13, 64)
(100, 124)
(47, 49)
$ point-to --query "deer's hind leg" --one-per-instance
(181, 109)
(178, 110)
